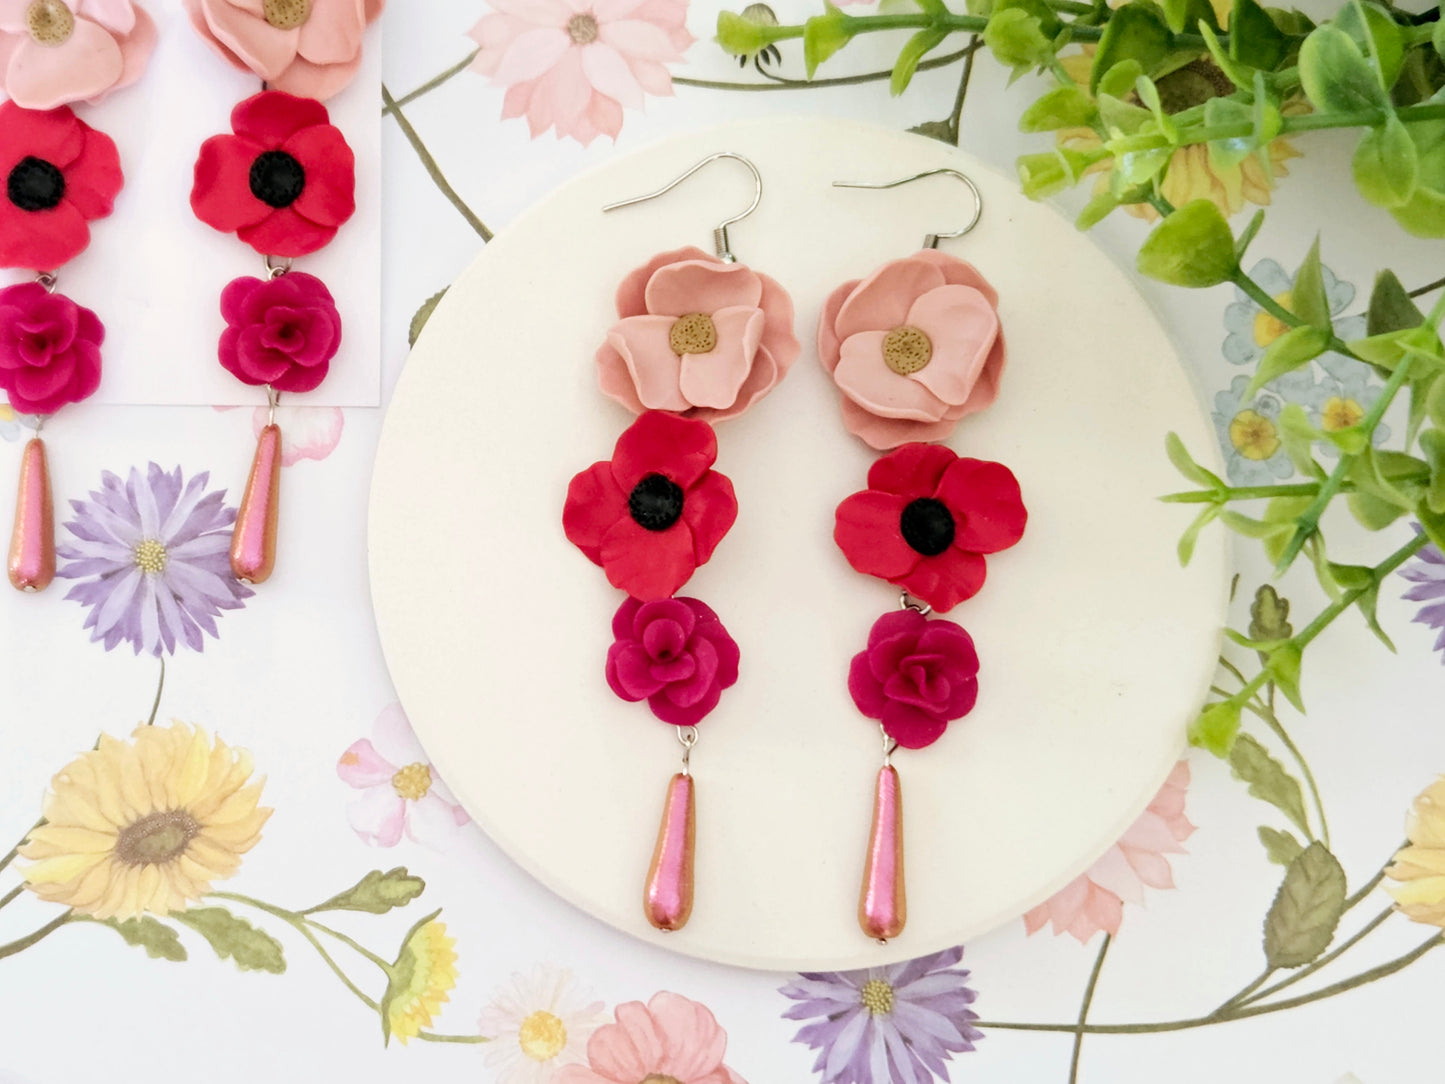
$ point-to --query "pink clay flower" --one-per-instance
(54, 52)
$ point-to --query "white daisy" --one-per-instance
(538, 1023)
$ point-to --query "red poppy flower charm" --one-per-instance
(283, 183)
(59, 174)
(926, 520)
(656, 510)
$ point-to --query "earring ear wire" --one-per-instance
(932, 239)
(721, 244)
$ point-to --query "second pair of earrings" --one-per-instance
(913, 348)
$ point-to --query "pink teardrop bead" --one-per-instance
(32, 542)
(883, 902)
(253, 540)
(667, 900)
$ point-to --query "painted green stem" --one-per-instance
(1271, 720)
(432, 1037)
(14, 851)
(23, 943)
(349, 942)
(1325, 960)
(1084, 1007)
(160, 688)
(954, 23)
(433, 170)
(431, 84)
(11, 896)
(778, 82)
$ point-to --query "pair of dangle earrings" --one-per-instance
(912, 349)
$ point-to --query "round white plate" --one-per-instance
(1096, 646)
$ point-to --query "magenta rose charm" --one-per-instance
(915, 676)
(281, 331)
(49, 349)
(675, 654)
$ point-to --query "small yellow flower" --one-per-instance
(425, 969)
(1340, 413)
(1419, 868)
(1253, 435)
(145, 825)
(1267, 326)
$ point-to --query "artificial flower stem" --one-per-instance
(778, 82)
(1241, 493)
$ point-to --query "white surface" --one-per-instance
(1096, 647)
(154, 272)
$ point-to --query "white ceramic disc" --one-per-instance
(1096, 647)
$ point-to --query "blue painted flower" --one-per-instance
(1249, 433)
(1345, 395)
(13, 425)
(1427, 571)
(886, 1025)
(1251, 329)
(151, 555)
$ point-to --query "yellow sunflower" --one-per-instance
(1419, 869)
(1191, 175)
(425, 969)
(145, 825)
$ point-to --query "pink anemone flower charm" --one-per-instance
(54, 52)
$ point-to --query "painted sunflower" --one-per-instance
(420, 980)
(145, 826)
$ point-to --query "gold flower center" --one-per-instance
(151, 556)
(1268, 327)
(286, 14)
(1340, 413)
(582, 28)
(412, 782)
(906, 349)
(49, 22)
(542, 1036)
(157, 838)
(1253, 435)
(877, 997)
(694, 333)
(659, 1078)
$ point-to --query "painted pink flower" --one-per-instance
(402, 792)
(306, 432)
(669, 1039)
(1094, 902)
(54, 52)
(572, 65)
(697, 336)
(310, 48)
(913, 348)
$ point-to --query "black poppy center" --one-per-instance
(655, 502)
(35, 184)
(277, 179)
(927, 526)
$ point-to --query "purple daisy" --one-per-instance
(886, 1025)
(152, 555)
(1427, 570)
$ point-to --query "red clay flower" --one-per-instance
(656, 510)
(283, 183)
(675, 654)
(915, 676)
(926, 520)
(59, 173)
(282, 331)
(49, 349)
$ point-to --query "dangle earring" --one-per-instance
(60, 174)
(913, 348)
(698, 340)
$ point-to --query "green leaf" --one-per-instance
(1335, 74)
(1122, 117)
(1216, 728)
(933, 7)
(1391, 307)
(1253, 645)
(1240, 75)
(1266, 118)
(423, 314)
(1298, 437)
(1388, 349)
(1118, 81)
(159, 940)
(1139, 166)
(1378, 35)
(1043, 175)
(1185, 15)
(1284, 510)
(1432, 444)
(1308, 297)
(824, 35)
(1367, 602)
(1148, 93)
(376, 893)
(235, 939)
(1190, 538)
(1435, 404)
(1099, 207)
(1269, 615)
(1253, 37)
(739, 36)
(1371, 512)
(1016, 40)
(1386, 165)
(1227, 153)
(1062, 107)
(913, 51)
(1283, 665)
(1296, 347)
(1302, 920)
(1185, 465)
(1437, 38)
(1192, 247)
(1136, 31)
(1281, 847)
(1268, 781)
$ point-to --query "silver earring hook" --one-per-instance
(720, 232)
(931, 241)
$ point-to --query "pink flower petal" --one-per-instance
(629, 1049)
(118, 16)
(378, 816)
(615, 379)
(631, 298)
(264, 49)
(715, 378)
(12, 16)
(693, 1044)
(645, 346)
(762, 378)
(1113, 873)
(306, 432)
(609, 74)
(394, 739)
(136, 48)
(605, 115)
(362, 766)
(702, 286)
(882, 300)
(863, 376)
(84, 66)
(431, 822)
(319, 81)
(532, 54)
(638, 40)
(962, 327)
(332, 32)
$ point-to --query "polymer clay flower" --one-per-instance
(675, 654)
(282, 331)
(913, 348)
(284, 182)
(60, 174)
(656, 510)
(697, 336)
(926, 520)
(311, 48)
(915, 676)
(572, 65)
(53, 52)
(49, 349)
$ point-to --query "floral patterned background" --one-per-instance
(266, 879)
